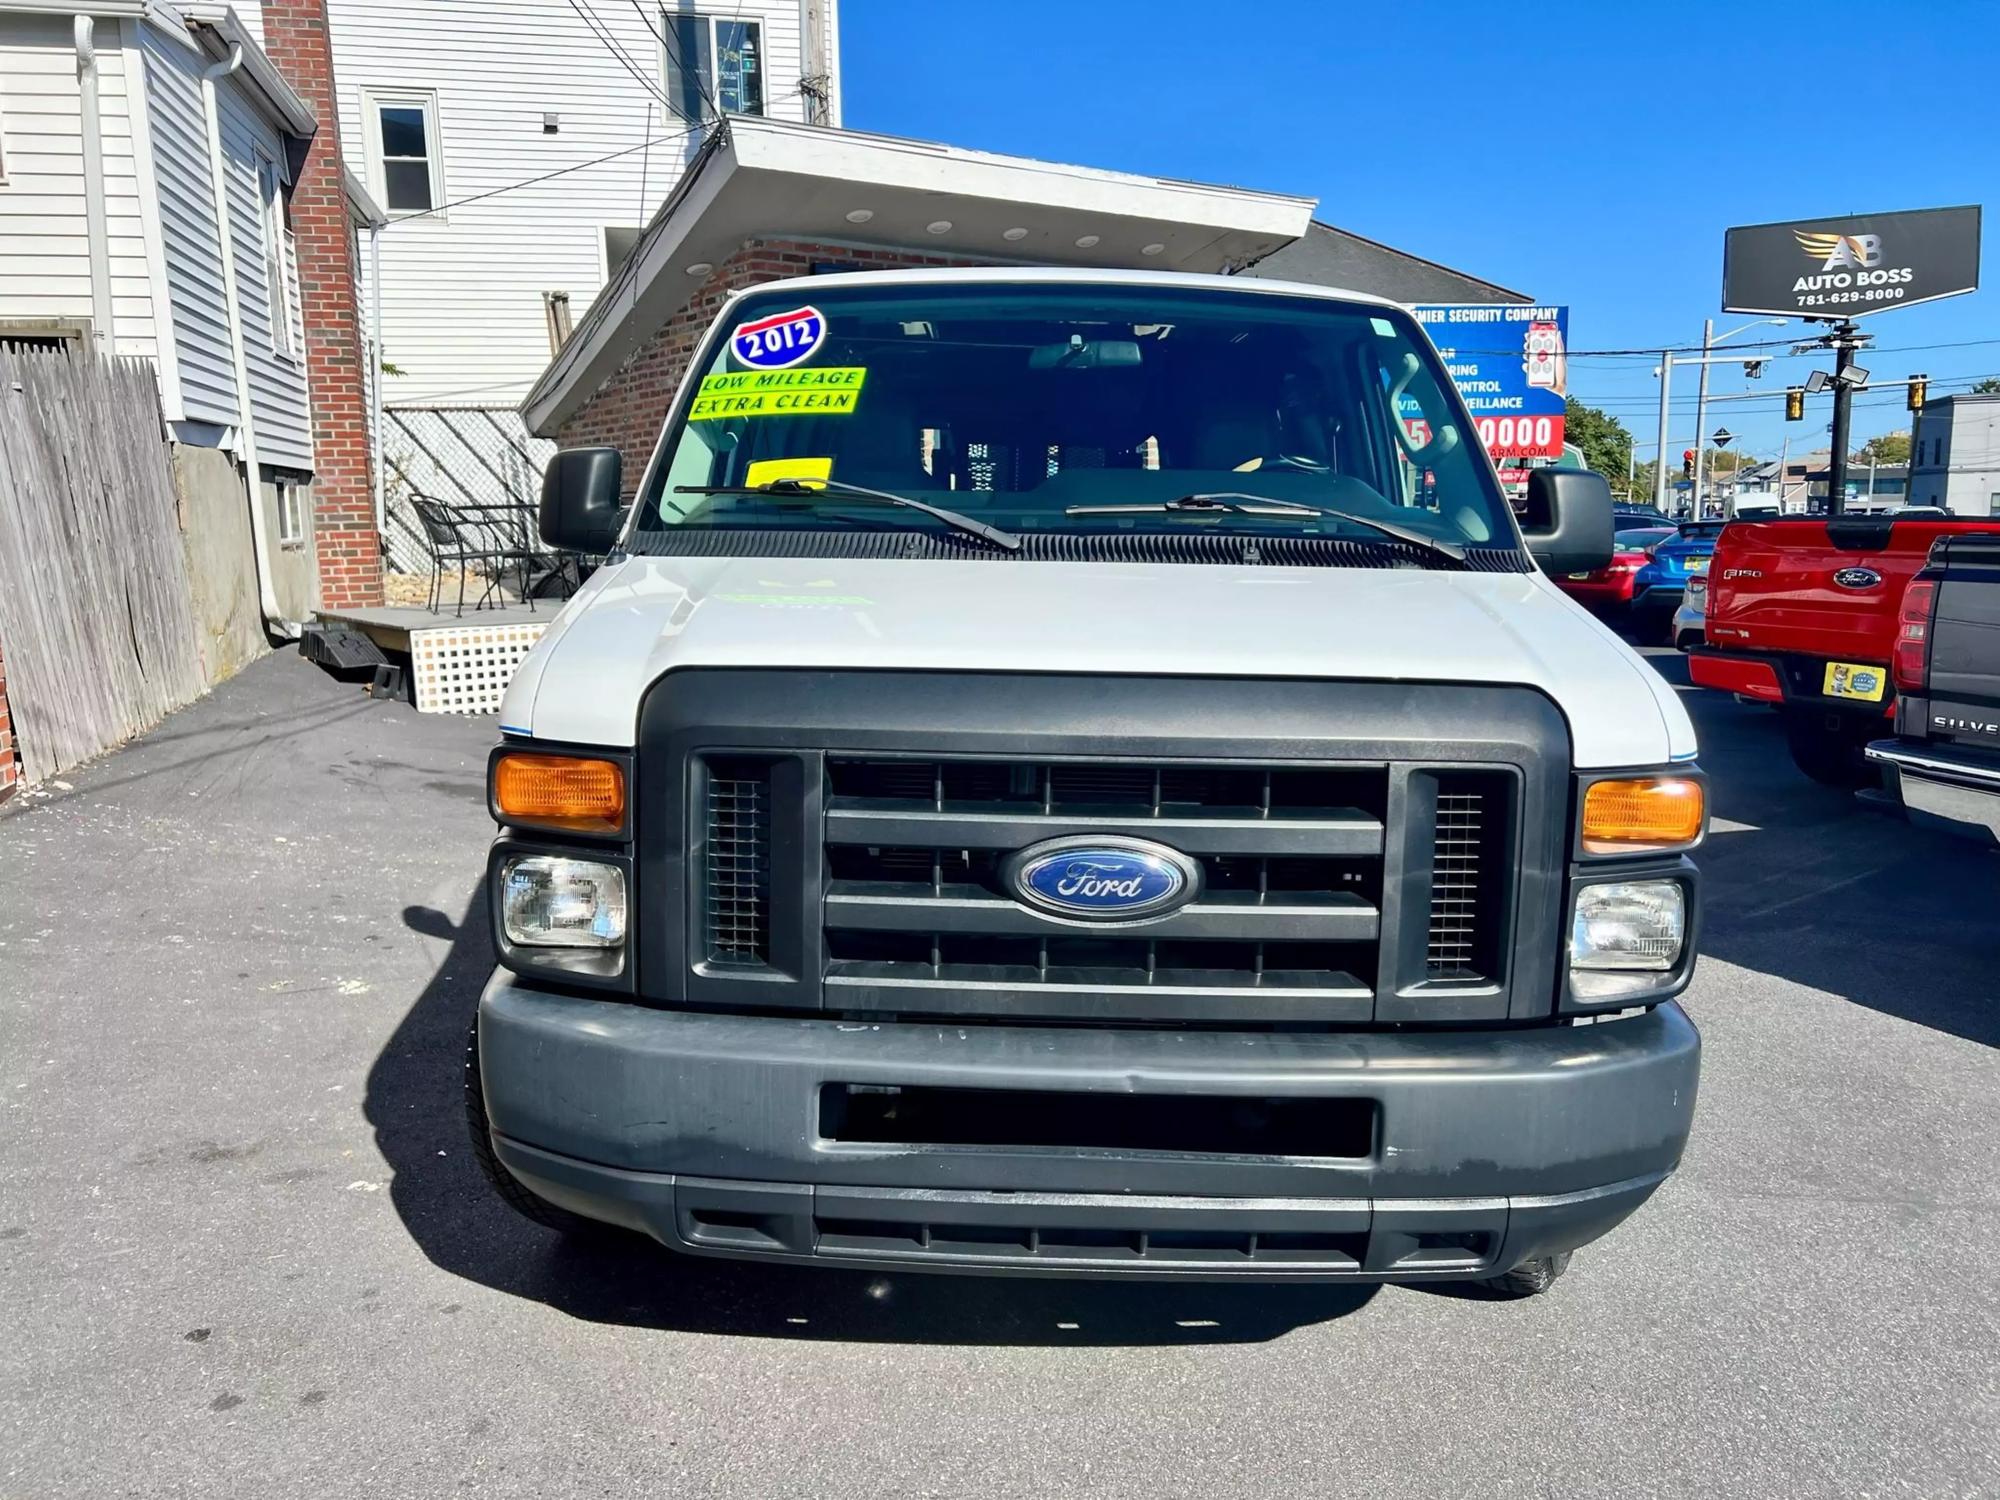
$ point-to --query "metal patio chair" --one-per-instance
(465, 537)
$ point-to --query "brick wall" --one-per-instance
(345, 545)
(10, 758)
(628, 409)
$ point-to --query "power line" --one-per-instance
(595, 161)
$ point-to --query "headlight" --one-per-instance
(549, 902)
(1625, 932)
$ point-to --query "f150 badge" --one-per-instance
(1857, 578)
(1103, 879)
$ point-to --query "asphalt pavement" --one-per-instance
(244, 1250)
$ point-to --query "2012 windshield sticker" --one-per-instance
(779, 341)
(831, 392)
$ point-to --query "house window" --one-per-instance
(709, 57)
(291, 514)
(279, 254)
(403, 154)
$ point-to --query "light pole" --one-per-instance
(1708, 342)
(1666, 374)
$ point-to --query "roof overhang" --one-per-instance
(361, 205)
(216, 28)
(771, 179)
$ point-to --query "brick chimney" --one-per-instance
(345, 544)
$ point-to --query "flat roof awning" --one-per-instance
(758, 178)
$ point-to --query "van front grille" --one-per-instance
(737, 863)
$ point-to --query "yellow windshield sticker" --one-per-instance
(832, 391)
(773, 470)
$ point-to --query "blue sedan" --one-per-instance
(1658, 590)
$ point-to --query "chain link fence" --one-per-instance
(460, 456)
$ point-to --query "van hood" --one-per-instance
(646, 616)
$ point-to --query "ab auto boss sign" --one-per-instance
(1852, 266)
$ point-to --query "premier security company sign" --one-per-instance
(1511, 364)
(1849, 267)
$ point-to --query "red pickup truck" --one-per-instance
(1804, 613)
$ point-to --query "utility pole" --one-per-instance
(1701, 414)
(1845, 339)
(1784, 467)
(1660, 468)
(1631, 470)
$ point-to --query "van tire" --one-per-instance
(1531, 1277)
(1832, 754)
(502, 1181)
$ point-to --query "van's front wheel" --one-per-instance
(1531, 1277)
(502, 1181)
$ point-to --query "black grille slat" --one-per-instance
(917, 917)
(737, 864)
(1469, 851)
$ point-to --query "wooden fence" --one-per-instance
(95, 610)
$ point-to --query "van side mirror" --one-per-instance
(1567, 520)
(582, 509)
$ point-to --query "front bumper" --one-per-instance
(705, 1131)
(1945, 786)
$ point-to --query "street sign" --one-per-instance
(1723, 437)
(1849, 267)
(1511, 365)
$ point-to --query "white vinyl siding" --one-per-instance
(464, 311)
(44, 230)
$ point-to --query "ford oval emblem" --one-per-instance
(1103, 879)
(1857, 578)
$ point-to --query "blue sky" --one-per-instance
(1585, 154)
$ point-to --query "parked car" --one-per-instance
(1670, 563)
(1944, 759)
(1051, 779)
(1802, 613)
(1691, 616)
(1610, 590)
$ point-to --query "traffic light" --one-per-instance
(1795, 403)
(1918, 384)
(1687, 463)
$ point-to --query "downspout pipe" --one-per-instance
(379, 464)
(95, 227)
(246, 417)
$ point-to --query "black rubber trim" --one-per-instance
(1226, 549)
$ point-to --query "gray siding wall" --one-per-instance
(187, 230)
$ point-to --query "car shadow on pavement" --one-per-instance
(1813, 885)
(415, 1103)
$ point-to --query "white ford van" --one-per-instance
(1083, 772)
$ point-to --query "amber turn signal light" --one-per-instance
(1641, 814)
(560, 791)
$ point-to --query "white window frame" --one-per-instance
(373, 102)
(291, 513)
(280, 287)
(711, 80)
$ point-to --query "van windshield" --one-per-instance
(1073, 408)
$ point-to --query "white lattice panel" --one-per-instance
(464, 669)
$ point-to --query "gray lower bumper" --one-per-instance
(1944, 787)
(704, 1131)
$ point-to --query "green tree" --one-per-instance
(1884, 448)
(1990, 386)
(1606, 445)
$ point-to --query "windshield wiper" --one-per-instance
(800, 489)
(1238, 503)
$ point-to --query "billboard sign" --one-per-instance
(1849, 267)
(1511, 364)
